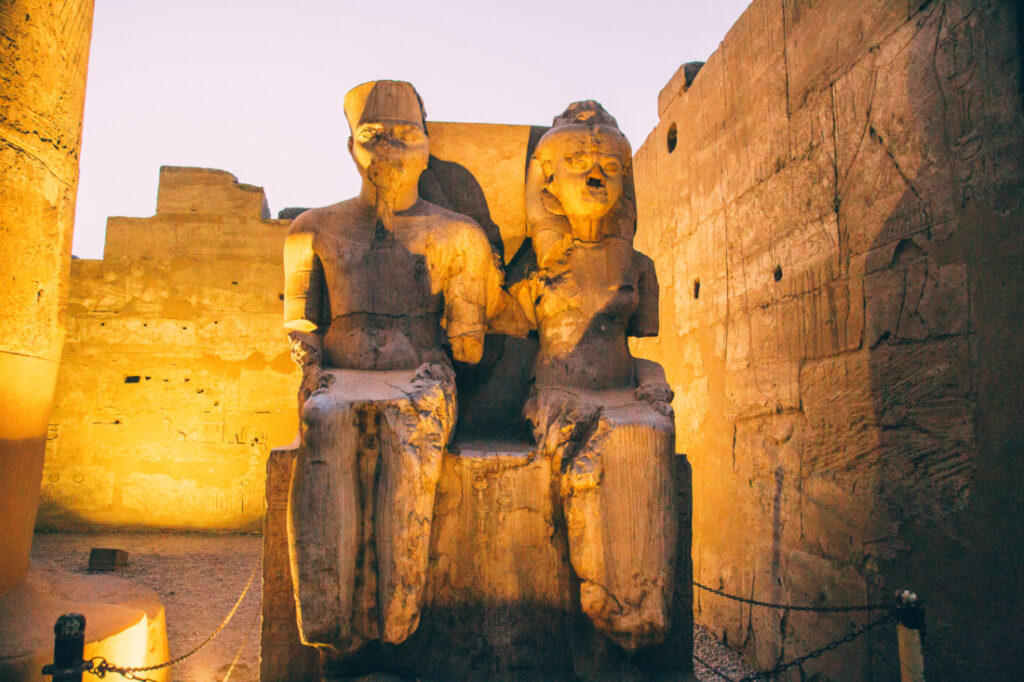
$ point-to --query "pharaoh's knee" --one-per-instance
(318, 409)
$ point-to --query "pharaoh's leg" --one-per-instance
(619, 501)
(324, 521)
(413, 434)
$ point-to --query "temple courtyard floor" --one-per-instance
(199, 577)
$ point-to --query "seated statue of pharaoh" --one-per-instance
(377, 288)
(601, 414)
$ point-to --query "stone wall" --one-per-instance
(176, 377)
(44, 54)
(834, 207)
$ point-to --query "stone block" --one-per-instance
(824, 39)
(125, 623)
(208, 191)
(101, 559)
(501, 595)
(679, 83)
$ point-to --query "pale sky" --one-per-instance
(254, 87)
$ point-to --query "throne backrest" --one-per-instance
(479, 169)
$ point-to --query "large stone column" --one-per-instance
(44, 52)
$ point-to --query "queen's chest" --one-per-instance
(593, 281)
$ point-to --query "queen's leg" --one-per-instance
(618, 496)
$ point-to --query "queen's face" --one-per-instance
(390, 151)
(586, 172)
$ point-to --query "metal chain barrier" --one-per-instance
(241, 647)
(806, 657)
(818, 652)
(100, 666)
(906, 608)
(790, 607)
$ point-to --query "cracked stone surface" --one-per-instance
(833, 205)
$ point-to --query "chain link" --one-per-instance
(806, 657)
(790, 607)
(818, 652)
(100, 666)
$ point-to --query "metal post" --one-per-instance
(910, 633)
(68, 647)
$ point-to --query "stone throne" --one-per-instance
(502, 598)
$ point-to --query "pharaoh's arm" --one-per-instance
(303, 295)
(472, 293)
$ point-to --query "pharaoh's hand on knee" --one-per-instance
(658, 394)
(468, 349)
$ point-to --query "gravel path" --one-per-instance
(199, 577)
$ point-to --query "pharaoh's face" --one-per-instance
(390, 152)
(586, 171)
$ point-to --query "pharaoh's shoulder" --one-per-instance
(349, 217)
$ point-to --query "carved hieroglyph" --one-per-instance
(603, 416)
(374, 286)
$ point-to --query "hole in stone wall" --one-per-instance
(133, 379)
(235, 283)
(673, 138)
(696, 288)
(280, 297)
(777, 274)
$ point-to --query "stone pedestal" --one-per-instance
(125, 623)
(502, 599)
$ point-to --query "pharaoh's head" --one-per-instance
(389, 137)
(584, 159)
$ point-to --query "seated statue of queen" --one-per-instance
(602, 415)
(379, 289)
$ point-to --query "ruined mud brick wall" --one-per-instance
(44, 54)
(176, 378)
(834, 208)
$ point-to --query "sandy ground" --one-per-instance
(199, 578)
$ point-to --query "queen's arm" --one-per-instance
(652, 386)
(645, 320)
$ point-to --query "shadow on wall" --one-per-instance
(492, 393)
(942, 329)
(847, 363)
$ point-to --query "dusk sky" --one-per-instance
(255, 87)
